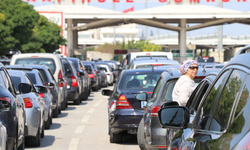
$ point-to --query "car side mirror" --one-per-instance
(5, 105)
(24, 88)
(174, 117)
(51, 84)
(60, 80)
(106, 92)
(42, 89)
(141, 96)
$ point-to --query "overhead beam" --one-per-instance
(155, 24)
(98, 24)
(214, 23)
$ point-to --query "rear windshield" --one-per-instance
(16, 81)
(32, 77)
(38, 61)
(150, 66)
(139, 81)
(145, 56)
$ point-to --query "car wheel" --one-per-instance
(95, 88)
(63, 105)
(140, 135)
(55, 112)
(34, 141)
(115, 138)
(22, 146)
(111, 84)
(47, 123)
(77, 101)
(60, 109)
(42, 134)
(50, 121)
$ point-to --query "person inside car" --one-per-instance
(185, 84)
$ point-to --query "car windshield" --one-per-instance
(32, 77)
(150, 66)
(39, 61)
(139, 81)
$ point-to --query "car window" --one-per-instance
(51, 74)
(139, 81)
(41, 78)
(44, 76)
(157, 89)
(16, 81)
(168, 90)
(7, 80)
(39, 61)
(205, 111)
(32, 77)
(226, 100)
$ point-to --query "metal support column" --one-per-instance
(69, 38)
(75, 37)
(182, 40)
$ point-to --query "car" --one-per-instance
(3, 136)
(124, 111)
(152, 63)
(96, 70)
(83, 76)
(151, 135)
(108, 71)
(12, 111)
(54, 62)
(34, 108)
(114, 67)
(221, 118)
(93, 77)
(104, 81)
(74, 86)
(5, 62)
(49, 82)
(145, 59)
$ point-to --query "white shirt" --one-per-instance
(183, 90)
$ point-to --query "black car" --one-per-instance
(12, 111)
(151, 135)
(74, 81)
(96, 70)
(221, 118)
(124, 111)
(93, 77)
(83, 76)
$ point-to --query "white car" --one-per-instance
(108, 71)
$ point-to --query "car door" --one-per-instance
(213, 115)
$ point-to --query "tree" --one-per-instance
(19, 20)
(46, 37)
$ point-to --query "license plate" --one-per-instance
(143, 103)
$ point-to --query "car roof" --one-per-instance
(150, 61)
(133, 71)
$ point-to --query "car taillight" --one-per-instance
(161, 146)
(60, 77)
(95, 71)
(108, 74)
(6, 99)
(156, 64)
(122, 103)
(78, 73)
(28, 102)
(73, 81)
(154, 111)
(41, 95)
(244, 143)
(199, 77)
(91, 75)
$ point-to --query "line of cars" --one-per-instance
(141, 91)
(36, 87)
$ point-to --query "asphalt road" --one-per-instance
(84, 127)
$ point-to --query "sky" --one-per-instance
(230, 30)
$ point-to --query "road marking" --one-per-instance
(97, 104)
(85, 118)
(91, 110)
(73, 144)
(79, 129)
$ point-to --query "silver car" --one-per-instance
(108, 71)
(34, 107)
(3, 136)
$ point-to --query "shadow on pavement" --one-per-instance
(89, 99)
(62, 115)
(129, 140)
(55, 126)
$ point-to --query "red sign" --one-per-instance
(121, 51)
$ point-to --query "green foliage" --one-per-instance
(21, 27)
(144, 46)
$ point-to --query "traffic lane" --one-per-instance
(84, 127)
